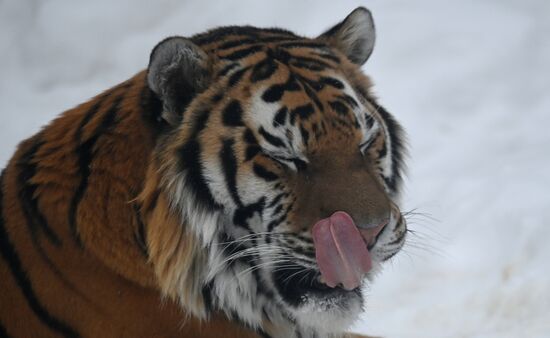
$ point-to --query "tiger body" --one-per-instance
(181, 205)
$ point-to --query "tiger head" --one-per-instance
(282, 170)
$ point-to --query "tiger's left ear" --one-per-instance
(178, 70)
(354, 36)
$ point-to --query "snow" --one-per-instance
(468, 80)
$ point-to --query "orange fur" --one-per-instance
(98, 283)
(92, 244)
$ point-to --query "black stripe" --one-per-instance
(272, 139)
(276, 200)
(251, 32)
(10, 255)
(278, 39)
(280, 55)
(339, 107)
(349, 100)
(262, 172)
(190, 160)
(313, 95)
(249, 137)
(225, 70)
(304, 112)
(275, 92)
(397, 145)
(235, 43)
(305, 139)
(190, 155)
(311, 66)
(311, 61)
(237, 76)
(200, 123)
(222, 33)
(303, 44)
(277, 210)
(243, 32)
(330, 81)
(280, 117)
(217, 98)
(329, 57)
(232, 114)
(242, 53)
(263, 70)
(314, 85)
(369, 121)
(84, 151)
(29, 203)
(242, 214)
(276, 31)
(229, 165)
(251, 151)
(276, 222)
(207, 296)
(3, 331)
(34, 218)
(383, 151)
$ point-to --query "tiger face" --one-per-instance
(283, 166)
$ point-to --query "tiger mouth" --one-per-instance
(342, 249)
(295, 283)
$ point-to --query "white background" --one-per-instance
(468, 79)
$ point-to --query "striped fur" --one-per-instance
(179, 203)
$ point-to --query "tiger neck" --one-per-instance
(183, 266)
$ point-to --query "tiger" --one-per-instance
(245, 184)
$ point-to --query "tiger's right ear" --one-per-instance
(178, 70)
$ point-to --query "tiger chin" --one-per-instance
(244, 185)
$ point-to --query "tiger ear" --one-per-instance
(178, 70)
(354, 36)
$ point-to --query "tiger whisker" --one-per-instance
(264, 264)
(260, 251)
(252, 237)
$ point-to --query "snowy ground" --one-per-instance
(468, 79)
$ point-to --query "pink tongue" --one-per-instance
(340, 250)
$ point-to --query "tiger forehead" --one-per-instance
(226, 38)
(296, 94)
(263, 59)
(246, 46)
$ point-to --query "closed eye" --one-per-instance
(293, 162)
